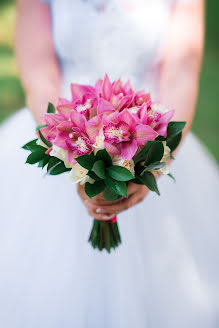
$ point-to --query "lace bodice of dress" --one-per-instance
(120, 37)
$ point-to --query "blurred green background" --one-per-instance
(207, 116)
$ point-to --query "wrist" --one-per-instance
(37, 101)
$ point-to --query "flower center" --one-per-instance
(82, 146)
(83, 107)
(133, 110)
(113, 132)
(116, 132)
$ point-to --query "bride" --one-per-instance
(166, 272)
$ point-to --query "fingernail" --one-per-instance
(106, 217)
(99, 210)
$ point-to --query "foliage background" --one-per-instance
(207, 116)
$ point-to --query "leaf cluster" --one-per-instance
(150, 156)
(38, 155)
(108, 178)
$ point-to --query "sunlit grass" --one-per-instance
(7, 21)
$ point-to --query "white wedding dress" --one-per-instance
(166, 272)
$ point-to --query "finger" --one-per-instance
(97, 213)
(123, 205)
(132, 187)
(102, 201)
(106, 217)
(101, 216)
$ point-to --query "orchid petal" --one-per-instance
(117, 86)
(104, 106)
(113, 118)
(142, 97)
(71, 157)
(64, 102)
(125, 102)
(79, 90)
(53, 119)
(112, 148)
(98, 87)
(127, 117)
(107, 88)
(65, 126)
(142, 112)
(161, 127)
(64, 107)
(48, 151)
(128, 149)
(144, 133)
(48, 133)
(78, 120)
(93, 127)
(60, 140)
(127, 88)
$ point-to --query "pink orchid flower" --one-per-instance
(72, 136)
(157, 121)
(113, 95)
(123, 135)
(84, 103)
(52, 120)
(142, 98)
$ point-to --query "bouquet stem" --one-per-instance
(105, 235)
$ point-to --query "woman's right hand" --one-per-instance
(101, 209)
(93, 205)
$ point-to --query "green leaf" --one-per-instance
(51, 108)
(94, 189)
(137, 181)
(35, 157)
(99, 169)
(153, 166)
(44, 161)
(40, 163)
(35, 148)
(174, 128)
(109, 195)
(47, 143)
(160, 138)
(119, 173)
(118, 187)
(107, 236)
(155, 153)
(40, 127)
(30, 145)
(53, 162)
(93, 176)
(173, 142)
(86, 161)
(58, 169)
(149, 180)
(171, 176)
(104, 156)
(141, 155)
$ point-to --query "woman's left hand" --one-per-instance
(104, 210)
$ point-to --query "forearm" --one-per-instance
(179, 90)
(180, 69)
(37, 62)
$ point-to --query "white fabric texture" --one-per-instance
(166, 272)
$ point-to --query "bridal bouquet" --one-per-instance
(106, 136)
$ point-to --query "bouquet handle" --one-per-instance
(105, 234)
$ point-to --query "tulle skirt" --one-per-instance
(165, 273)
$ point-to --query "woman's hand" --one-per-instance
(101, 209)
